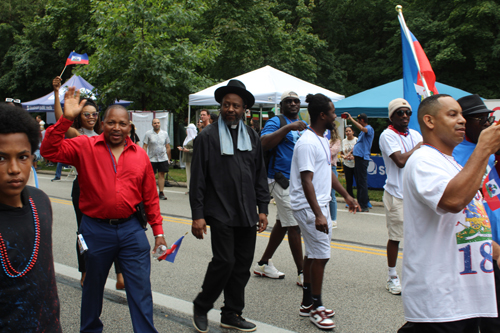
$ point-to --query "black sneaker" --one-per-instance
(200, 321)
(162, 196)
(55, 179)
(237, 322)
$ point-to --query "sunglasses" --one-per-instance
(91, 115)
(483, 119)
(12, 100)
(290, 100)
(402, 112)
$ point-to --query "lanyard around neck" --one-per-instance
(328, 158)
(112, 157)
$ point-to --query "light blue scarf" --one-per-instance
(226, 141)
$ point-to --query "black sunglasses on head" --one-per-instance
(402, 112)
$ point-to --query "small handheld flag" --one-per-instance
(491, 189)
(171, 253)
(76, 59)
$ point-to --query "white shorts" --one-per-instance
(394, 216)
(317, 243)
(282, 198)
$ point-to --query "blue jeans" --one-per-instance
(333, 203)
(59, 169)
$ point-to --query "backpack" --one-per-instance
(271, 153)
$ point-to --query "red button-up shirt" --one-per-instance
(104, 193)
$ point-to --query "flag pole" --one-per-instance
(63, 71)
(402, 22)
(65, 66)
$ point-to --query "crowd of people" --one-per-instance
(450, 275)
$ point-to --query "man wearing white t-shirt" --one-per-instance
(311, 182)
(448, 281)
(397, 143)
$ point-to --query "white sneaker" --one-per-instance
(334, 224)
(268, 271)
(319, 318)
(393, 285)
(300, 279)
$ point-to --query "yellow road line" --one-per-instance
(266, 234)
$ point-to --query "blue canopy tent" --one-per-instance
(46, 103)
(374, 102)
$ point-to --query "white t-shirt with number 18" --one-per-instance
(447, 258)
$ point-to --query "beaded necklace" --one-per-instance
(6, 265)
(405, 134)
(456, 165)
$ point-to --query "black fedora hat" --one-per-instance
(472, 104)
(235, 87)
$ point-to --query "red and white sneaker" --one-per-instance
(320, 319)
(304, 311)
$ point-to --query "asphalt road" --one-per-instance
(354, 284)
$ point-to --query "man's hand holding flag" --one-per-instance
(171, 253)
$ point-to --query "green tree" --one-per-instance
(43, 38)
(15, 15)
(462, 40)
(253, 34)
(364, 37)
(144, 53)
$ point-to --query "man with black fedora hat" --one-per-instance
(478, 118)
(228, 182)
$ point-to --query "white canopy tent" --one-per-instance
(266, 84)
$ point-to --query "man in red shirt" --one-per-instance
(116, 176)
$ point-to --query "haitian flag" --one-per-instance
(491, 189)
(75, 58)
(170, 254)
(415, 65)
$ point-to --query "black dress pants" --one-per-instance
(229, 271)
(361, 175)
(349, 176)
(492, 325)
(461, 326)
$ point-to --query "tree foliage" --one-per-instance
(143, 52)
(156, 52)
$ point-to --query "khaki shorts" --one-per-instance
(282, 198)
(317, 243)
(394, 216)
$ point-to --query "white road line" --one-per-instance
(63, 179)
(169, 302)
(346, 211)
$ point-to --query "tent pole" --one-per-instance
(260, 126)
(189, 114)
